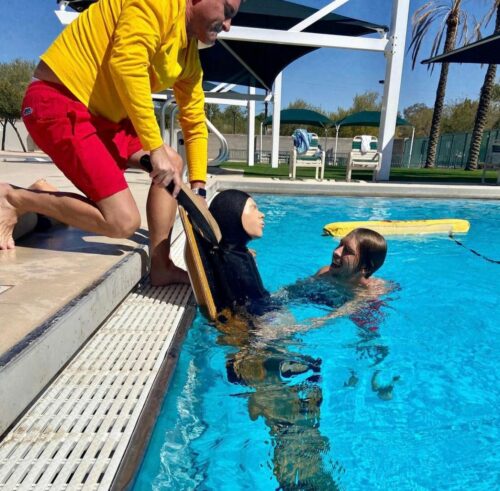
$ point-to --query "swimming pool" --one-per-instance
(403, 395)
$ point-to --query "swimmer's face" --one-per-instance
(252, 219)
(345, 259)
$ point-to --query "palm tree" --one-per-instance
(484, 98)
(453, 22)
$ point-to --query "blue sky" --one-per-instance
(328, 78)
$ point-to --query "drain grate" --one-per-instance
(75, 435)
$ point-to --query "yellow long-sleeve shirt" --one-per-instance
(117, 52)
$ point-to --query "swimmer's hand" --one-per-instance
(253, 252)
(166, 166)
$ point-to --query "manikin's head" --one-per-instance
(206, 18)
(238, 217)
(359, 254)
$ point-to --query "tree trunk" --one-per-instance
(436, 117)
(451, 34)
(3, 133)
(18, 135)
(481, 115)
(482, 109)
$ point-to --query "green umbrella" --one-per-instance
(302, 116)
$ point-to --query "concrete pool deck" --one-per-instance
(59, 287)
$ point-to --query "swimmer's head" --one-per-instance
(238, 217)
(360, 251)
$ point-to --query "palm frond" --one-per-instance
(418, 39)
(489, 15)
(438, 12)
(438, 40)
(476, 34)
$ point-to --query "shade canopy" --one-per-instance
(258, 64)
(220, 63)
(486, 51)
(367, 118)
(301, 116)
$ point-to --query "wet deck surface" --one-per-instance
(49, 269)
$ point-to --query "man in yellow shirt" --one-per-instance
(90, 108)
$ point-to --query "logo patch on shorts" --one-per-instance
(27, 111)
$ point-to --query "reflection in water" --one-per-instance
(286, 393)
(368, 318)
(285, 386)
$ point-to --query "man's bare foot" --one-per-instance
(167, 274)
(8, 218)
(43, 185)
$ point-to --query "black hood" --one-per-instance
(227, 209)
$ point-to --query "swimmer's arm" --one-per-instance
(349, 308)
(285, 324)
(377, 288)
(289, 327)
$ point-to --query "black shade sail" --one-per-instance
(268, 60)
(265, 60)
(485, 51)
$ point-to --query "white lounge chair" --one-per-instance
(358, 159)
(313, 158)
(492, 160)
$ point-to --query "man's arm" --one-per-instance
(135, 42)
(190, 98)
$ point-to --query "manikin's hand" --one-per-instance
(167, 167)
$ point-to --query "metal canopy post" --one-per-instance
(337, 128)
(260, 146)
(411, 145)
(276, 121)
(392, 86)
(251, 128)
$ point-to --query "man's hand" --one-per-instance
(167, 166)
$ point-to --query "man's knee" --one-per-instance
(124, 225)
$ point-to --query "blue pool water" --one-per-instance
(403, 395)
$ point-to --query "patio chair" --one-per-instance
(492, 160)
(364, 155)
(307, 153)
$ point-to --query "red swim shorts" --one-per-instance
(91, 151)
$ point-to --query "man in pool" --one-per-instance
(359, 254)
